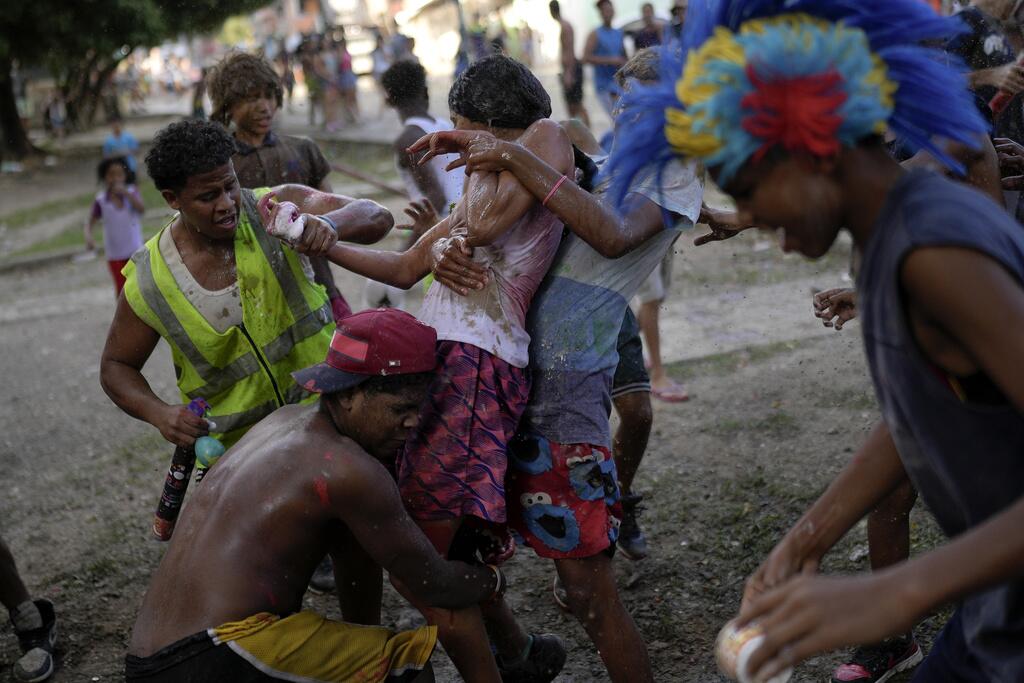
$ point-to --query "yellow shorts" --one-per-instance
(312, 647)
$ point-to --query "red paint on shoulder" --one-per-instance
(271, 597)
(320, 485)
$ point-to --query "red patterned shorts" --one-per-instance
(563, 499)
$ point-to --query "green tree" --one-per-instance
(81, 42)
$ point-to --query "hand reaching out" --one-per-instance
(266, 208)
(1011, 163)
(724, 225)
(836, 307)
(478, 150)
(1009, 78)
(423, 216)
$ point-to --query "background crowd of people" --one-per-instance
(546, 252)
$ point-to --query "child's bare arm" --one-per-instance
(135, 199)
(87, 229)
(396, 268)
(495, 201)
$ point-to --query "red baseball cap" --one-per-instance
(381, 341)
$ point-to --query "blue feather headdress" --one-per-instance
(810, 75)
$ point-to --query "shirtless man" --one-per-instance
(572, 69)
(225, 602)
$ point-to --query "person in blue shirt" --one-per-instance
(606, 52)
(121, 143)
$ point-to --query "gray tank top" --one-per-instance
(965, 458)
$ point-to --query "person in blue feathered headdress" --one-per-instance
(787, 102)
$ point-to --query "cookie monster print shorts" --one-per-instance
(563, 499)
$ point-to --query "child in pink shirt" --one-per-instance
(119, 206)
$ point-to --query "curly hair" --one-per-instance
(499, 91)
(404, 82)
(185, 149)
(238, 76)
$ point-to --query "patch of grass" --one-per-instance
(751, 513)
(747, 267)
(72, 236)
(34, 214)
(68, 237)
(151, 196)
(731, 361)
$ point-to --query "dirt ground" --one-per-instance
(768, 426)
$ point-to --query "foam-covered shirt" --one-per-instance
(577, 312)
(494, 318)
(966, 458)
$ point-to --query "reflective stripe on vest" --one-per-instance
(307, 322)
(217, 379)
(231, 422)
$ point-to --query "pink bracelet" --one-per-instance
(554, 190)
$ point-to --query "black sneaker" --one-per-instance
(322, 580)
(37, 646)
(542, 663)
(878, 663)
(632, 541)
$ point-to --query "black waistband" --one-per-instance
(165, 658)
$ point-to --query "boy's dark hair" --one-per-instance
(555, 9)
(104, 166)
(238, 76)
(185, 149)
(405, 82)
(601, 3)
(500, 92)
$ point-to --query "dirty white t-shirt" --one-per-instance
(221, 308)
(494, 318)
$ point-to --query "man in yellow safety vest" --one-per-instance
(232, 302)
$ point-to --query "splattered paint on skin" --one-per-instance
(320, 486)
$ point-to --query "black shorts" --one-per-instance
(302, 646)
(574, 95)
(630, 374)
(195, 658)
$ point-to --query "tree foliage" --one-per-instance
(81, 41)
